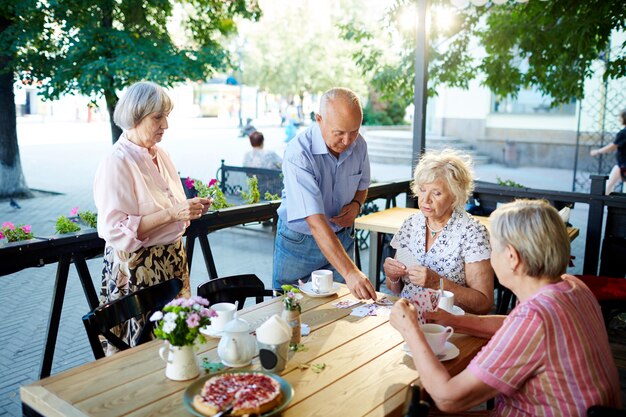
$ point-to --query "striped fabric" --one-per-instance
(551, 357)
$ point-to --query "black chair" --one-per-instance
(602, 411)
(143, 302)
(235, 288)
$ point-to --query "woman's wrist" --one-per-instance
(394, 281)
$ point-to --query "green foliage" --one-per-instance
(508, 183)
(64, 225)
(181, 320)
(551, 46)
(391, 114)
(99, 47)
(295, 48)
(291, 298)
(271, 197)
(252, 196)
(212, 190)
(12, 233)
(89, 218)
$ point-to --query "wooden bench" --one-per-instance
(234, 179)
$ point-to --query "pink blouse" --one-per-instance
(127, 186)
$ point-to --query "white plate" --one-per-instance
(308, 290)
(210, 332)
(450, 352)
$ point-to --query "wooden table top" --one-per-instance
(390, 221)
(366, 373)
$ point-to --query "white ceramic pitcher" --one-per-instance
(181, 362)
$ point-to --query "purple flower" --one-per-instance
(26, 228)
(74, 211)
(189, 183)
(177, 302)
(193, 320)
(1, 235)
(199, 300)
(207, 312)
(212, 182)
(8, 225)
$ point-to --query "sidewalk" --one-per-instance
(62, 157)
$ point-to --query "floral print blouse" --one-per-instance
(463, 240)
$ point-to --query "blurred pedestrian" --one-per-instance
(259, 157)
(618, 173)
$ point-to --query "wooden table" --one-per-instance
(390, 221)
(366, 373)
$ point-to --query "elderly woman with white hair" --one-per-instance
(443, 240)
(551, 355)
(142, 208)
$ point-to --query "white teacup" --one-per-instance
(322, 280)
(437, 336)
(446, 301)
(225, 313)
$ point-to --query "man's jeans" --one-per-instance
(296, 255)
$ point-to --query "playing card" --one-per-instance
(371, 310)
(366, 310)
(346, 303)
(425, 300)
(384, 301)
(406, 257)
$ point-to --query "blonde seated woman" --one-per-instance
(550, 356)
(443, 239)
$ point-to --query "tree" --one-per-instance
(296, 47)
(100, 47)
(12, 33)
(548, 45)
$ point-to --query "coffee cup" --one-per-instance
(446, 301)
(273, 356)
(225, 313)
(437, 336)
(322, 280)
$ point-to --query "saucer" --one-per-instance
(450, 352)
(210, 332)
(457, 311)
(307, 288)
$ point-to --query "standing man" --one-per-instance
(326, 173)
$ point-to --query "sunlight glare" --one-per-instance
(445, 18)
(407, 19)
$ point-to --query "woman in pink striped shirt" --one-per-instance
(142, 208)
(550, 356)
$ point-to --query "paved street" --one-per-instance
(61, 157)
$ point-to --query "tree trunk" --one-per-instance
(112, 100)
(12, 181)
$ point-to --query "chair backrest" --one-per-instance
(612, 257)
(140, 303)
(235, 288)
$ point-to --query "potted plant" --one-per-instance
(291, 312)
(179, 324)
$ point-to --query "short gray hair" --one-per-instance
(537, 232)
(140, 100)
(449, 165)
(339, 93)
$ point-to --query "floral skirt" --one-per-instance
(126, 272)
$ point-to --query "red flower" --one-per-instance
(212, 182)
(189, 183)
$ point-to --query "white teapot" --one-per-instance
(237, 346)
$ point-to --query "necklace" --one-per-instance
(433, 232)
